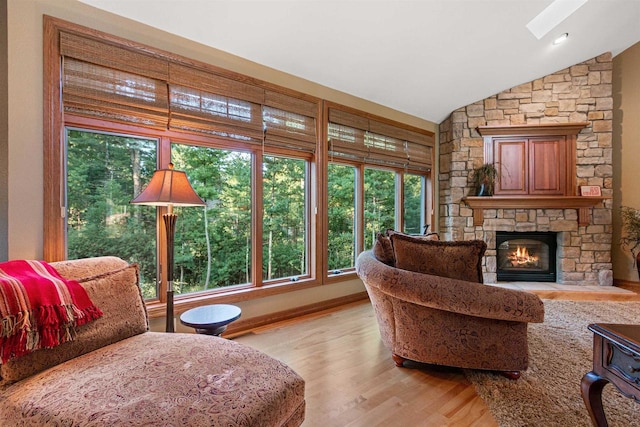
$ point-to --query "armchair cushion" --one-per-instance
(456, 260)
(383, 250)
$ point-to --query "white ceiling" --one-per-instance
(422, 57)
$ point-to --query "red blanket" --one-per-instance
(39, 308)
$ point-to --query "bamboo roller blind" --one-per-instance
(359, 137)
(129, 86)
(133, 86)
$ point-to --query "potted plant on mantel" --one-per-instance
(484, 179)
(631, 228)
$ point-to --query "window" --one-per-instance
(341, 251)
(379, 203)
(284, 222)
(213, 243)
(414, 203)
(104, 172)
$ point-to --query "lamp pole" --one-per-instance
(170, 228)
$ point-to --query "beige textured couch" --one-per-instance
(116, 372)
(443, 321)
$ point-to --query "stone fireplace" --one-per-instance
(583, 232)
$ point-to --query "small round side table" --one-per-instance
(210, 319)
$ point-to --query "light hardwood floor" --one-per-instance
(352, 381)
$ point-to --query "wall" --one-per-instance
(4, 137)
(24, 237)
(581, 93)
(626, 147)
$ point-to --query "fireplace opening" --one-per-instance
(526, 256)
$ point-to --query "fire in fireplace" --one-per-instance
(520, 258)
(526, 256)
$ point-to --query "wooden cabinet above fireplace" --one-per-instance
(536, 169)
(531, 165)
(533, 160)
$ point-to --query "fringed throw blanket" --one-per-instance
(39, 308)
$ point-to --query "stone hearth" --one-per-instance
(581, 93)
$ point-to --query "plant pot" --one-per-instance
(484, 190)
(638, 263)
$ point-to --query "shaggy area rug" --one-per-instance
(560, 353)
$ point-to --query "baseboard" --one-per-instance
(242, 326)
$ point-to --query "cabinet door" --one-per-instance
(512, 162)
(546, 166)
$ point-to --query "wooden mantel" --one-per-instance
(581, 203)
(533, 130)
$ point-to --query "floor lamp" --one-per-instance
(169, 187)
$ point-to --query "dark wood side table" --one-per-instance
(616, 359)
(210, 319)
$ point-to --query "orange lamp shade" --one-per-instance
(169, 187)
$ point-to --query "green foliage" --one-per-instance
(213, 243)
(413, 204)
(100, 184)
(631, 227)
(379, 203)
(284, 220)
(341, 216)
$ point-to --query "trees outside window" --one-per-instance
(341, 233)
(379, 203)
(381, 192)
(284, 222)
(414, 203)
(104, 172)
(213, 243)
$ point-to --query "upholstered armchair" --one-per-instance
(439, 320)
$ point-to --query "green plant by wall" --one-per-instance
(631, 232)
(631, 227)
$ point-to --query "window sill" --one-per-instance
(183, 303)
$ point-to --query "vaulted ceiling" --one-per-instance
(422, 57)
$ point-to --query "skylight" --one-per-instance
(553, 15)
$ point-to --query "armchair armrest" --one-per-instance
(442, 293)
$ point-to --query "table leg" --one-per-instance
(591, 389)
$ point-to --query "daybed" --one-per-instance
(440, 320)
(115, 372)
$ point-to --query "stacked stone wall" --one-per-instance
(581, 93)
